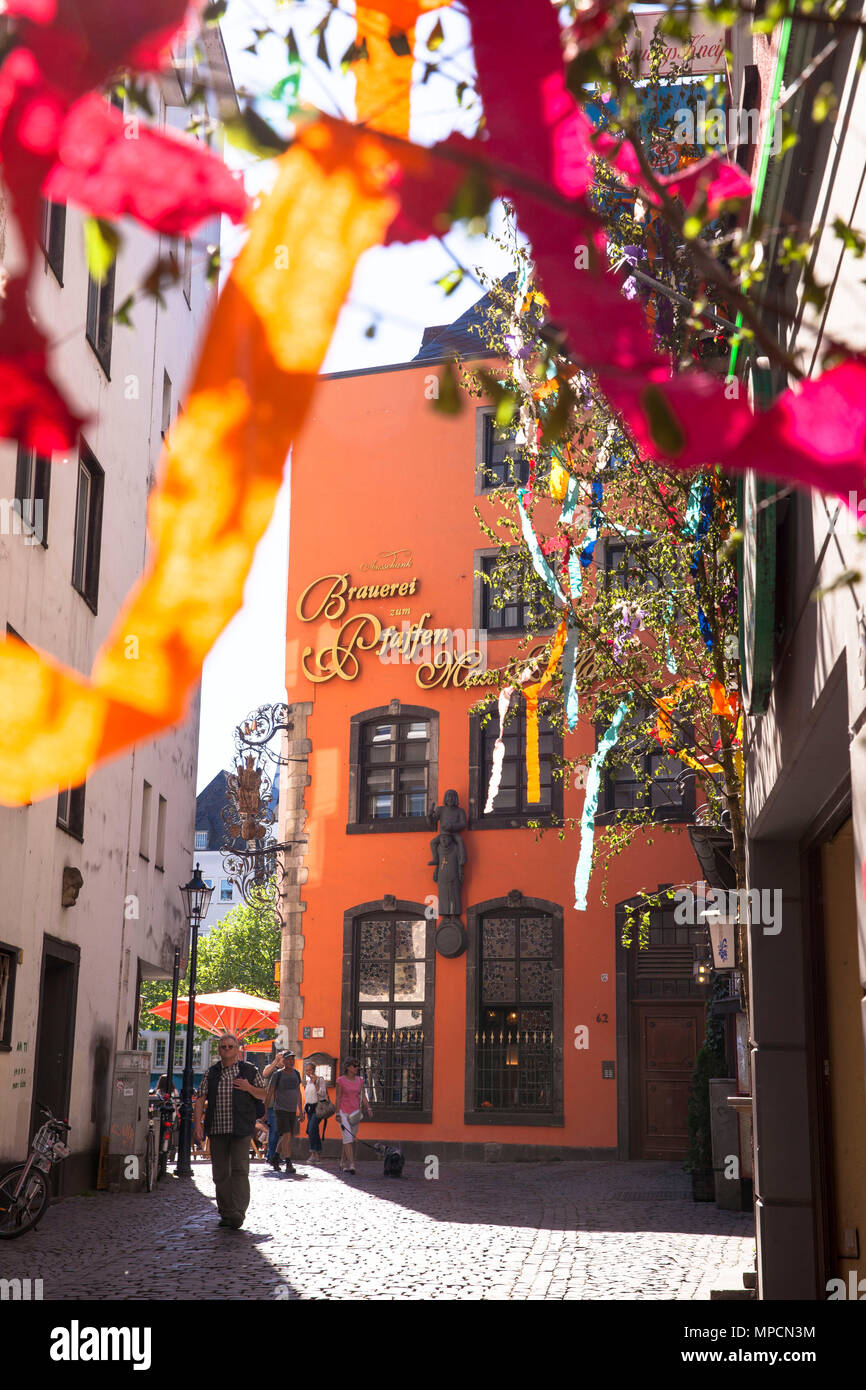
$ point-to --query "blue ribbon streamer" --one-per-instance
(594, 519)
(569, 678)
(670, 659)
(693, 510)
(587, 820)
(539, 561)
(702, 527)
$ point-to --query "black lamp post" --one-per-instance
(196, 901)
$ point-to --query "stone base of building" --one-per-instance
(417, 1151)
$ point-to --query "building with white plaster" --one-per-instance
(71, 961)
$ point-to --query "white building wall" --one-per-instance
(128, 918)
(211, 862)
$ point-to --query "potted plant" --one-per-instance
(709, 1062)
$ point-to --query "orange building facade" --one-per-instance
(528, 1025)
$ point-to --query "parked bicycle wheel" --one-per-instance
(21, 1214)
(150, 1160)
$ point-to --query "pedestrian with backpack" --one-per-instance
(352, 1106)
(286, 1096)
(317, 1107)
(231, 1089)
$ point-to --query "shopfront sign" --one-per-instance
(704, 49)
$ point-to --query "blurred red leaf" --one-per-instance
(112, 168)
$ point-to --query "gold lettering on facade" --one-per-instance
(446, 669)
(360, 633)
(333, 602)
(390, 560)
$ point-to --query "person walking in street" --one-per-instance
(315, 1089)
(271, 1114)
(286, 1095)
(231, 1088)
(352, 1104)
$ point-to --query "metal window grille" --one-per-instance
(515, 1045)
(395, 759)
(391, 994)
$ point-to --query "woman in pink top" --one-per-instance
(351, 1101)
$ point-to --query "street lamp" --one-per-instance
(196, 901)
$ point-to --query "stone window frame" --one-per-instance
(398, 824)
(513, 902)
(479, 594)
(482, 488)
(394, 908)
(608, 814)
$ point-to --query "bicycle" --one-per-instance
(24, 1189)
(161, 1141)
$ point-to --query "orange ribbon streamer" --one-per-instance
(219, 475)
(383, 84)
(725, 705)
(531, 693)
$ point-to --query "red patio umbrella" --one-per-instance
(229, 1011)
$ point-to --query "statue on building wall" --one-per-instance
(449, 816)
(449, 858)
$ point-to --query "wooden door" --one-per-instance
(665, 1039)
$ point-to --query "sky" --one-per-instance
(395, 288)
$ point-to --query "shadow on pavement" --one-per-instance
(164, 1244)
(591, 1196)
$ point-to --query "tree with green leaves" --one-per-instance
(239, 952)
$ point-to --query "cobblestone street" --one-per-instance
(522, 1231)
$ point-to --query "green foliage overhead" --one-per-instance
(238, 953)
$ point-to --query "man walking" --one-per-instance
(273, 1136)
(285, 1090)
(231, 1088)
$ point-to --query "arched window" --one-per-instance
(393, 756)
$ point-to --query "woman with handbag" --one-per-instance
(316, 1106)
(352, 1105)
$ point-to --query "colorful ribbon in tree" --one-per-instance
(539, 562)
(220, 472)
(531, 694)
(498, 750)
(590, 805)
